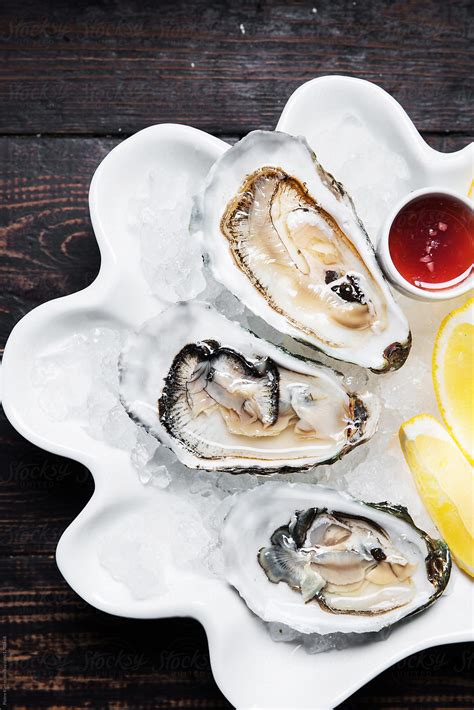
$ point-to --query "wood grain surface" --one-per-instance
(75, 79)
(107, 67)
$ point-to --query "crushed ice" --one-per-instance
(80, 382)
(374, 175)
(136, 549)
(171, 262)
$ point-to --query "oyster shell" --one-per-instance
(284, 237)
(221, 398)
(320, 561)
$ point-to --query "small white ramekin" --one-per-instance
(388, 267)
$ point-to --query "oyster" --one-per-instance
(221, 398)
(319, 561)
(284, 237)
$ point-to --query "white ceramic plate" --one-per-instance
(251, 670)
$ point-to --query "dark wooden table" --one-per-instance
(76, 79)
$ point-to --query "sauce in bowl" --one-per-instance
(431, 242)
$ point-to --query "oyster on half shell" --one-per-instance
(284, 237)
(221, 398)
(319, 561)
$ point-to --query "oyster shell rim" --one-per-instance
(264, 467)
(393, 355)
(436, 550)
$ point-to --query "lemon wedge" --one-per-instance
(445, 481)
(453, 375)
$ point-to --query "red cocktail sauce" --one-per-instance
(431, 242)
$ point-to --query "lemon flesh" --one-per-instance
(453, 375)
(445, 481)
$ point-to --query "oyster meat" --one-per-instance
(221, 398)
(284, 237)
(319, 561)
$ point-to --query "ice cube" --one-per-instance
(171, 258)
(374, 175)
(118, 428)
(134, 557)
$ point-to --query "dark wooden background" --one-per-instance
(76, 78)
